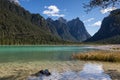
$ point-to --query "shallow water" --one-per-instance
(36, 53)
(89, 72)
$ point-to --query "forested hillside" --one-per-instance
(18, 26)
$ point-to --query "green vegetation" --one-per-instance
(15, 30)
(109, 56)
(18, 26)
(111, 40)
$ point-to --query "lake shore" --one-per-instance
(21, 71)
(111, 47)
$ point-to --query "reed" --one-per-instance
(109, 56)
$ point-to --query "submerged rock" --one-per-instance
(42, 73)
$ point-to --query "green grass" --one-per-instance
(109, 56)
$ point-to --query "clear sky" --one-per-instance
(69, 9)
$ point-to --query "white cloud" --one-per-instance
(52, 10)
(106, 10)
(89, 20)
(98, 23)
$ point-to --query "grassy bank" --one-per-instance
(109, 56)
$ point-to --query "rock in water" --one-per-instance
(42, 73)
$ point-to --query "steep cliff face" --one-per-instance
(52, 27)
(73, 30)
(61, 29)
(110, 27)
(77, 30)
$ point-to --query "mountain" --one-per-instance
(77, 30)
(61, 29)
(110, 29)
(73, 30)
(19, 26)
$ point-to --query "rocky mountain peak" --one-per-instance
(50, 19)
(61, 19)
(77, 19)
(73, 30)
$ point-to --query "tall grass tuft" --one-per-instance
(109, 56)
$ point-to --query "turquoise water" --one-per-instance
(38, 53)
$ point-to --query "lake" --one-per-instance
(38, 53)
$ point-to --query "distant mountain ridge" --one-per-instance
(110, 29)
(73, 30)
(19, 26)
